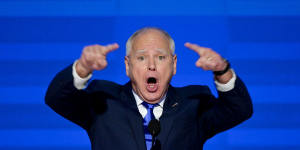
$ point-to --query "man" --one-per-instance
(114, 115)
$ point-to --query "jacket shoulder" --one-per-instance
(194, 91)
(104, 86)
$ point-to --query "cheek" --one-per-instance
(137, 73)
(169, 66)
(166, 71)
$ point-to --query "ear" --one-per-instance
(174, 64)
(126, 61)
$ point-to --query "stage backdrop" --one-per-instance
(40, 37)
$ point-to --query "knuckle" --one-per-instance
(213, 64)
(95, 66)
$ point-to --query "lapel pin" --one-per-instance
(175, 104)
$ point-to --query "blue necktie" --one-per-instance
(149, 116)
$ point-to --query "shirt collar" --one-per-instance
(139, 101)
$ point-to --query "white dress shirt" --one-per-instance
(157, 111)
(81, 83)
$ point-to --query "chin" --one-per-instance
(153, 97)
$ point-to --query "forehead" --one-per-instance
(151, 40)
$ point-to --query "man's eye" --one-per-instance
(141, 58)
(161, 57)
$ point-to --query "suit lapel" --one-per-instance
(135, 119)
(169, 109)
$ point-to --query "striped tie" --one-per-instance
(149, 116)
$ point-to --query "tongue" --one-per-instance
(151, 87)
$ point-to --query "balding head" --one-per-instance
(132, 38)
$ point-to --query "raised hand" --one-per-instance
(210, 60)
(93, 57)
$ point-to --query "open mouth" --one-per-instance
(152, 84)
(151, 80)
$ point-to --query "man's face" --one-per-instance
(150, 65)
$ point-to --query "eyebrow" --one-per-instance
(140, 51)
(162, 51)
(158, 49)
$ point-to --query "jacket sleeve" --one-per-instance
(228, 110)
(67, 101)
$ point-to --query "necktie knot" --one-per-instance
(149, 106)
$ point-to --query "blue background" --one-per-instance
(40, 37)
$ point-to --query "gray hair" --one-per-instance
(145, 29)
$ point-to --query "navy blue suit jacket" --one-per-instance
(109, 114)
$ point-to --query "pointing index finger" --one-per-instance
(198, 49)
(110, 47)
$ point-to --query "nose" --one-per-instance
(151, 65)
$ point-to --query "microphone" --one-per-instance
(154, 129)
